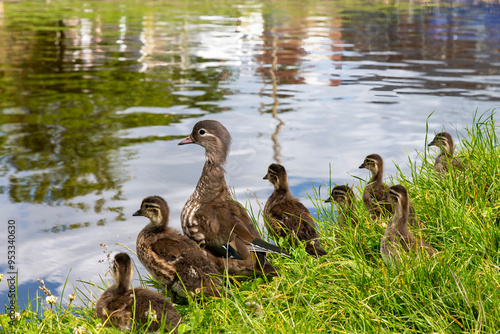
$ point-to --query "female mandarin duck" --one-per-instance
(212, 218)
(445, 159)
(398, 239)
(171, 258)
(286, 215)
(119, 303)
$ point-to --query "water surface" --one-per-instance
(95, 96)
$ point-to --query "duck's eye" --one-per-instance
(202, 132)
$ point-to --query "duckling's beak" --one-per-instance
(328, 200)
(187, 140)
(138, 213)
(362, 165)
(265, 177)
(432, 143)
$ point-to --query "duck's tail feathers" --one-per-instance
(259, 245)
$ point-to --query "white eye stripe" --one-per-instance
(208, 134)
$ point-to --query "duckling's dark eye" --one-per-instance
(202, 132)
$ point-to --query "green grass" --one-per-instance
(350, 290)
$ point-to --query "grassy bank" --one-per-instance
(350, 289)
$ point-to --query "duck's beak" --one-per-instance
(187, 140)
(362, 165)
(431, 143)
(265, 177)
(328, 200)
(138, 213)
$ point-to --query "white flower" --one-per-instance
(17, 316)
(71, 297)
(79, 330)
(51, 300)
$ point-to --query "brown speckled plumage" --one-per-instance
(343, 195)
(212, 217)
(445, 159)
(174, 259)
(286, 216)
(398, 239)
(118, 304)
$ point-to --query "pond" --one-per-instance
(96, 95)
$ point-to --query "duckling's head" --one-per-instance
(398, 197)
(342, 194)
(214, 137)
(373, 163)
(122, 271)
(444, 141)
(276, 174)
(156, 209)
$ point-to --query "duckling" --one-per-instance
(376, 189)
(397, 238)
(171, 258)
(286, 215)
(344, 196)
(211, 217)
(445, 159)
(118, 304)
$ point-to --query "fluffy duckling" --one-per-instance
(445, 159)
(343, 195)
(212, 218)
(376, 190)
(118, 304)
(398, 239)
(286, 215)
(171, 258)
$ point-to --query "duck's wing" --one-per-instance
(273, 215)
(220, 223)
(181, 258)
(229, 230)
(173, 247)
(294, 219)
